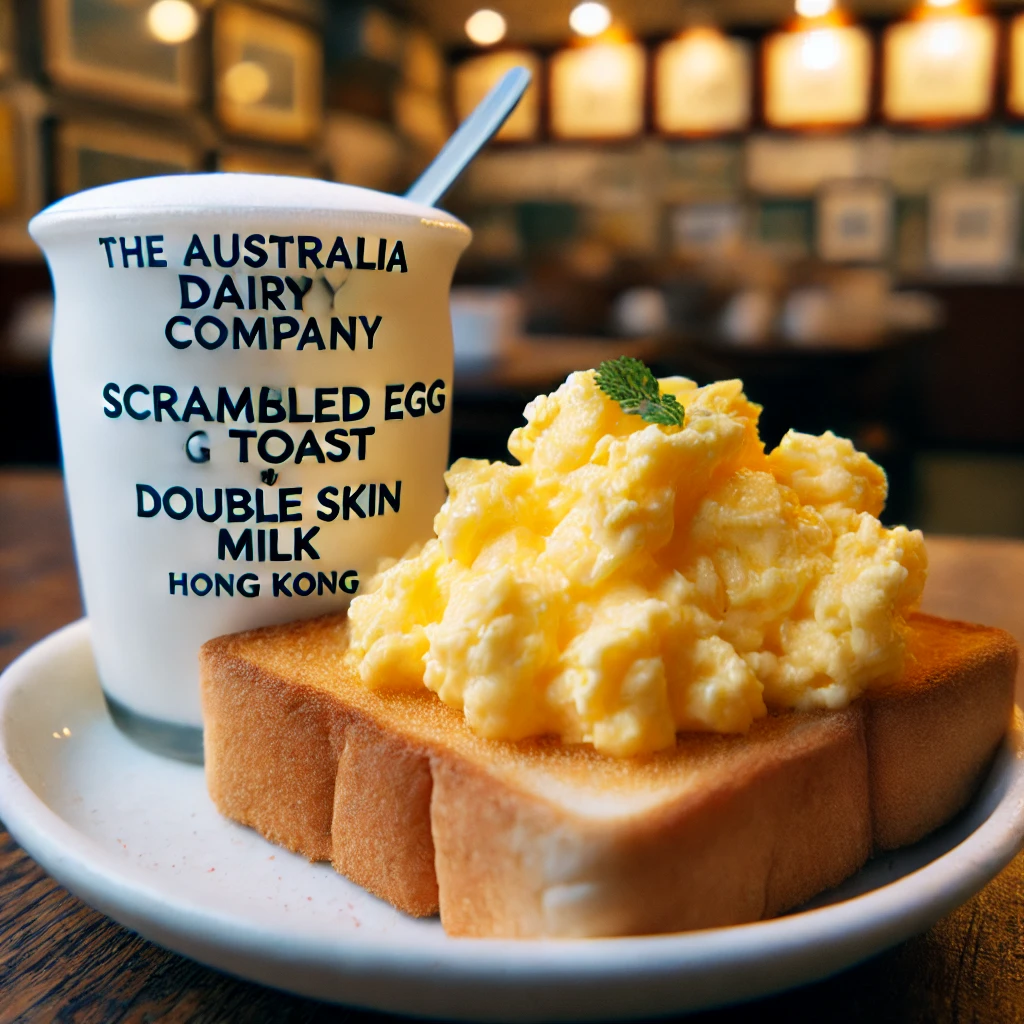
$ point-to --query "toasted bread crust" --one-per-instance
(275, 772)
(737, 850)
(381, 826)
(540, 839)
(930, 738)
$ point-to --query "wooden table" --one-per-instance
(61, 959)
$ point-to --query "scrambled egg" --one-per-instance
(629, 580)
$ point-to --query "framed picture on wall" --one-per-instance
(89, 154)
(939, 69)
(267, 75)
(474, 77)
(817, 77)
(972, 227)
(854, 222)
(597, 91)
(707, 229)
(107, 48)
(702, 84)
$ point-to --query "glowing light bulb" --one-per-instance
(820, 49)
(814, 8)
(589, 19)
(172, 21)
(941, 3)
(246, 82)
(944, 39)
(486, 27)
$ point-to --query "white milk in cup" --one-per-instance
(254, 383)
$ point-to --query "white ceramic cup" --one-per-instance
(253, 379)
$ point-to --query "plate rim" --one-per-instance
(852, 929)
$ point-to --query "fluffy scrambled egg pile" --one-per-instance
(629, 580)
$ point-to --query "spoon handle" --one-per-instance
(470, 137)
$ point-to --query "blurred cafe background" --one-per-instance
(822, 198)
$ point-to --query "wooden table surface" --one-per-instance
(59, 959)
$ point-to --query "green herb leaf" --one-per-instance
(631, 383)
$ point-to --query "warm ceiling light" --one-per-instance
(940, 3)
(589, 19)
(945, 38)
(814, 8)
(172, 21)
(485, 27)
(246, 82)
(820, 49)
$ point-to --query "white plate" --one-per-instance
(137, 837)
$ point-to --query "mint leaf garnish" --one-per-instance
(631, 383)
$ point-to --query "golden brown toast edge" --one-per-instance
(512, 865)
(931, 736)
(793, 812)
(307, 772)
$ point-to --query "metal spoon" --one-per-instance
(470, 137)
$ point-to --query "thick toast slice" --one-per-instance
(541, 839)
